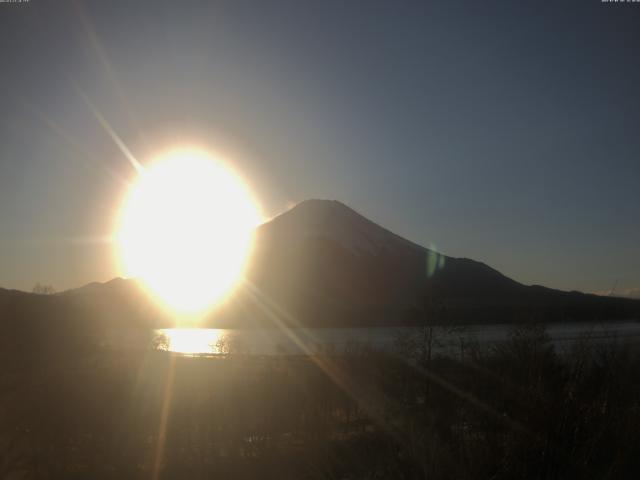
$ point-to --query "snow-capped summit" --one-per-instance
(336, 221)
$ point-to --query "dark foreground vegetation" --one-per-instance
(518, 410)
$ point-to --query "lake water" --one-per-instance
(303, 341)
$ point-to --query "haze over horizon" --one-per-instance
(487, 139)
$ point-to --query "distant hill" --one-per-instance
(62, 323)
(323, 264)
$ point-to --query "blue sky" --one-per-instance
(502, 131)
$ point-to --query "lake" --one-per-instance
(307, 341)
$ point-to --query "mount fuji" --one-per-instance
(323, 264)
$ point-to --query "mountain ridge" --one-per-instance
(324, 264)
(304, 261)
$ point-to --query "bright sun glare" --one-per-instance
(192, 340)
(186, 230)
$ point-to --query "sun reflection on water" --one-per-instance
(191, 341)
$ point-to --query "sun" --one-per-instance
(186, 230)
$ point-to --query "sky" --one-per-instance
(503, 131)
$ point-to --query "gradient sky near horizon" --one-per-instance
(503, 131)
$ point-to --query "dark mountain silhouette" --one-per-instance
(51, 327)
(326, 264)
(323, 264)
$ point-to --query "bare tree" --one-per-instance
(43, 289)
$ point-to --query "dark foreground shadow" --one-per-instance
(518, 410)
